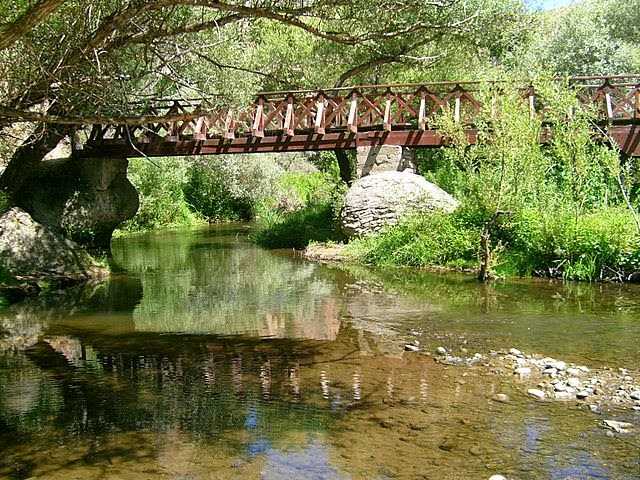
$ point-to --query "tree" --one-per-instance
(593, 37)
(74, 58)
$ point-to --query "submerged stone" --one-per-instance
(534, 392)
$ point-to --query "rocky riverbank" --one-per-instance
(545, 379)
(34, 256)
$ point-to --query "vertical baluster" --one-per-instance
(637, 96)
(200, 132)
(229, 126)
(319, 120)
(532, 102)
(609, 104)
(257, 128)
(352, 122)
(456, 111)
(387, 112)
(422, 111)
(289, 118)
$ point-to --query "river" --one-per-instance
(205, 357)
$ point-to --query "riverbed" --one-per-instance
(206, 357)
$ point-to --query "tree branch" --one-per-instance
(32, 17)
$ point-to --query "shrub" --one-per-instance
(421, 241)
(230, 189)
(297, 229)
(603, 244)
(160, 185)
(305, 209)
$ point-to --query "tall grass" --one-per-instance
(305, 210)
(565, 209)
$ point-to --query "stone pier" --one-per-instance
(385, 158)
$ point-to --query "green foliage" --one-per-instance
(592, 246)
(591, 37)
(4, 203)
(421, 241)
(230, 189)
(305, 211)
(312, 223)
(556, 210)
(160, 184)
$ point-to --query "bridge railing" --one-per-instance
(362, 108)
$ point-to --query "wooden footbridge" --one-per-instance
(344, 118)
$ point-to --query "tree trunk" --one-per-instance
(27, 158)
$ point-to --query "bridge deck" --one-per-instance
(347, 118)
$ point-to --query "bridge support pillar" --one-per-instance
(84, 199)
(384, 158)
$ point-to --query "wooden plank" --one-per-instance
(200, 132)
(609, 105)
(422, 112)
(532, 106)
(229, 126)
(257, 128)
(456, 111)
(352, 122)
(319, 125)
(387, 113)
(289, 118)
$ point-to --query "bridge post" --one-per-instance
(384, 158)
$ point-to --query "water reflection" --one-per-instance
(196, 283)
(217, 360)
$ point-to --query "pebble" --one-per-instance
(574, 372)
(534, 392)
(501, 397)
(583, 394)
(635, 395)
(515, 352)
(523, 371)
(618, 427)
(441, 351)
(411, 348)
(497, 477)
(550, 371)
(560, 387)
(563, 396)
(574, 382)
(560, 365)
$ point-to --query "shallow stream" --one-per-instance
(209, 358)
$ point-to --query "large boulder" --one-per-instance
(381, 199)
(83, 199)
(31, 250)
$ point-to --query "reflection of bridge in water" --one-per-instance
(344, 118)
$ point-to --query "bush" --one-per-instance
(312, 223)
(231, 189)
(305, 209)
(599, 245)
(160, 185)
(421, 241)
